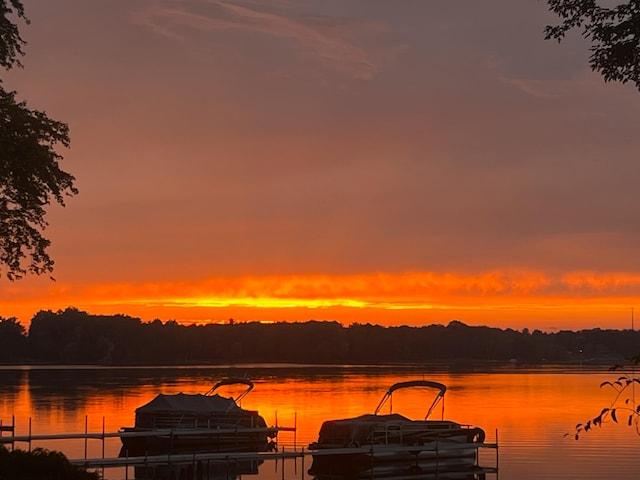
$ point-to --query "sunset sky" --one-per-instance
(382, 161)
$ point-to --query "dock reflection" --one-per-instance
(406, 475)
(235, 469)
(229, 469)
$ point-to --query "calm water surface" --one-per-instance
(529, 411)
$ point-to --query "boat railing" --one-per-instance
(414, 433)
(161, 432)
(197, 421)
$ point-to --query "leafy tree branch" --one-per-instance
(623, 405)
(30, 175)
(11, 42)
(614, 33)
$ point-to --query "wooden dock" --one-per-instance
(197, 460)
(279, 455)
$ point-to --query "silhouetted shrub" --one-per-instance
(40, 464)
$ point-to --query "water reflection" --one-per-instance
(199, 470)
(531, 409)
(404, 472)
(237, 469)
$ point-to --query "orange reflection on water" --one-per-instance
(531, 410)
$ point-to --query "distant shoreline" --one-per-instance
(438, 366)
(75, 338)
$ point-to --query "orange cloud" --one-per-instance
(346, 298)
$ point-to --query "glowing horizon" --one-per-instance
(527, 297)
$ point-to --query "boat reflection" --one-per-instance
(229, 469)
(408, 471)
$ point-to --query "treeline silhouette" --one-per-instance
(76, 337)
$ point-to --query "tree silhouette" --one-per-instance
(613, 31)
(30, 177)
(13, 340)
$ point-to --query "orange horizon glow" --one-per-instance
(515, 299)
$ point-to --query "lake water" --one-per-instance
(528, 411)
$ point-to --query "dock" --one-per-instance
(192, 462)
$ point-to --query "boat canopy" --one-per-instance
(441, 388)
(197, 404)
(233, 381)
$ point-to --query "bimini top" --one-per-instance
(190, 404)
(441, 389)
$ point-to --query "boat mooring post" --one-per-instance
(86, 431)
(103, 436)
(277, 431)
(9, 428)
(102, 445)
(29, 434)
(497, 464)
